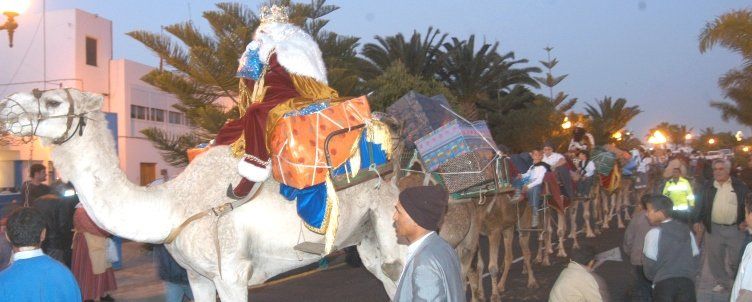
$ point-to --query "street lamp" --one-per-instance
(688, 136)
(739, 136)
(11, 9)
(711, 141)
(566, 124)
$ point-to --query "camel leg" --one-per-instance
(526, 256)
(386, 244)
(573, 210)
(203, 288)
(561, 230)
(508, 235)
(231, 290)
(547, 240)
(475, 277)
(586, 216)
(610, 205)
(373, 261)
(619, 207)
(494, 242)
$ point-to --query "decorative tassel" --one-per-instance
(333, 223)
(378, 133)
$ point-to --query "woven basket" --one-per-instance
(466, 166)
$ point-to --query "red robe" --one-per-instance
(92, 286)
(253, 123)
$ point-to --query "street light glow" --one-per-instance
(688, 136)
(14, 6)
(739, 136)
(566, 124)
(617, 135)
(711, 141)
(657, 138)
(745, 149)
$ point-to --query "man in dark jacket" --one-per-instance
(720, 211)
(174, 276)
(58, 216)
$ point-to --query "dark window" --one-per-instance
(156, 115)
(91, 51)
(138, 112)
(175, 117)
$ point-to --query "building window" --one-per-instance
(175, 117)
(138, 112)
(156, 115)
(91, 51)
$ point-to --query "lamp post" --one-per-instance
(11, 9)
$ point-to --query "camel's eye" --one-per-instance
(52, 104)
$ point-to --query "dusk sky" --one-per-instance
(644, 51)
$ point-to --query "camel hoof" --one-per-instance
(546, 262)
(621, 226)
(576, 246)
(597, 232)
(590, 235)
(562, 254)
(605, 226)
(495, 297)
(532, 284)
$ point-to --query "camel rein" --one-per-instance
(217, 212)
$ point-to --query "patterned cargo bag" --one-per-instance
(603, 160)
(420, 114)
(297, 142)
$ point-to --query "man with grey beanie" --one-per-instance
(432, 268)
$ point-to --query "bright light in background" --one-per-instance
(745, 149)
(566, 124)
(617, 135)
(711, 141)
(14, 6)
(69, 193)
(688, 136)
(657, 138)
(739, 136)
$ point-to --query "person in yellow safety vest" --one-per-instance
(679, 190)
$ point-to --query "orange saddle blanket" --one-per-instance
(297, 143)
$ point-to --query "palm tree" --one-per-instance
(420, 55)
(480, 75)
(733, 30)
(610, 116)
(199, 69)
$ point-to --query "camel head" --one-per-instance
(52, 115)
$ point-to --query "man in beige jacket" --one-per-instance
(577, 282)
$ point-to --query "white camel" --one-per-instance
(256, 240)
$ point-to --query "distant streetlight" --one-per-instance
(739, 136)
(688, 136)
(711, 141)
(11, 9)
(745, 149)
(617, 136)
(566, 124)
(657, 138)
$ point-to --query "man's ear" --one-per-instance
(42, 236)
(6, 236)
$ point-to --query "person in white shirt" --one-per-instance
(552, 158)
(530, 183)
(742, 290)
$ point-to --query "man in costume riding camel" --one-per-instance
(281, 70)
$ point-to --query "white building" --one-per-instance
(73, 48)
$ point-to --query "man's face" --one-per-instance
(537, 156)
(403, 224)
(40, 176)
(655, 217)
(676, 173)
(582, 156)
(548, 150)
(720, 172)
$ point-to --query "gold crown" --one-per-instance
(274, 14)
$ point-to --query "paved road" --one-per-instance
(137, 281)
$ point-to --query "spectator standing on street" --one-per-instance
(34, 276)
(742, 290)
(432, 270)
(679, 190)
(671, 255)
(721, 212)
(174, 276)
(577, 282)
(641, 289)
(90, 264)
(35, 187)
